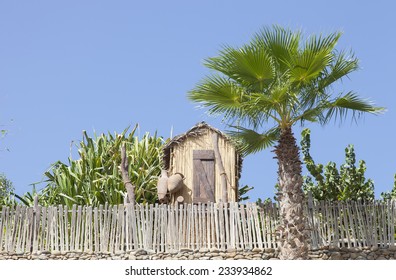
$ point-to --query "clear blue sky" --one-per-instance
(68, 66)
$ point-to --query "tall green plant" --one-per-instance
(95, 178)
(390, 194)
(6, 191)
(330, 183)
(266, 87)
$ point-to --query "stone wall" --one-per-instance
(325, 253)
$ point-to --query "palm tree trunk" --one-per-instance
(293, 234)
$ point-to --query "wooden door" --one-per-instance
(204, 176)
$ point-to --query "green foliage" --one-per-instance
(263, 203)
(390, 194)
(95, 178)
(6, 191)
(268, 200)
(329, 183)
(242, 193)
(275, 81)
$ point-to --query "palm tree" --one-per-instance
(277, 80)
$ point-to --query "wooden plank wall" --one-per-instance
(182, 162)
(162, 228)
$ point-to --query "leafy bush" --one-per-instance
(6, 191)
(329, 183)
(95, 179)
(390, 194)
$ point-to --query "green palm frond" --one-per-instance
(282, 43)
(249, 66)
(311, 115)
(309, 63)
(349, 102)
(343, 65)
(219, 95)
(249, 141)
(318, 44)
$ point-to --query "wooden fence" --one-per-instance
(352, 224)
(164, 227)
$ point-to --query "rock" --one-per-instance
(239, 257)
(313, 257)
(257, 250)
(230, 255)
(384, 252)
(217, 258)
(185, 250)
(43, 257)
(392, 248)
(204, 258)
(43, 253)
(353, 256)
(335, 256)
(141, 252)
(266, 256)
(374, 249)
(203, 250)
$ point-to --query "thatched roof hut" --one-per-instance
(209, 162)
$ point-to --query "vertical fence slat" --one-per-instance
(96, 233)
(259, 240)
(183, 225)
(212, 226)
(226, 225)
(392, 222)
(29, 229)
(4, 211)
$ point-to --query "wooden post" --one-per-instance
(125, 177)
(220, 166)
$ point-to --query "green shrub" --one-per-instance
(95, 178)
(330, 183)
